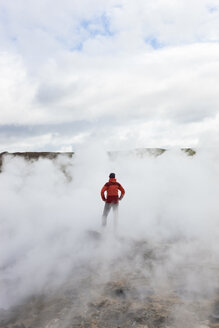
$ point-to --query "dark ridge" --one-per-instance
(189, 151)
(34, 156)
(37, 155)
(139, 152)
(142, 152)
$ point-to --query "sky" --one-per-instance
(119, 73)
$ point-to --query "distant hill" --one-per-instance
(143, 152)
(138, 152)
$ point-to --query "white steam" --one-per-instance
(48, 205)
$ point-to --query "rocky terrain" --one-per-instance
(141, 152)
(136, 288)
(33, 156)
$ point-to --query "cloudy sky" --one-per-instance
(121, 73)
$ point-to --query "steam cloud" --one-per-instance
(47, 206)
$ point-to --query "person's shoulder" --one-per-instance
(120, 186)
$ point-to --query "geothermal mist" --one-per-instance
(48, 205)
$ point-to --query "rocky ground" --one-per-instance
(126, 291)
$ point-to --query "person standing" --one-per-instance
(112, 198)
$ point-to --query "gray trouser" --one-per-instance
(106, 211)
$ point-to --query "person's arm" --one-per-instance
(122, 192)
(102, 193)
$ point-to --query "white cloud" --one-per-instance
(176, 84)
(116, 74)
(72, 23)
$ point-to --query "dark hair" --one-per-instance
(112, 175)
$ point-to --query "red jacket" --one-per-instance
(112, 188)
